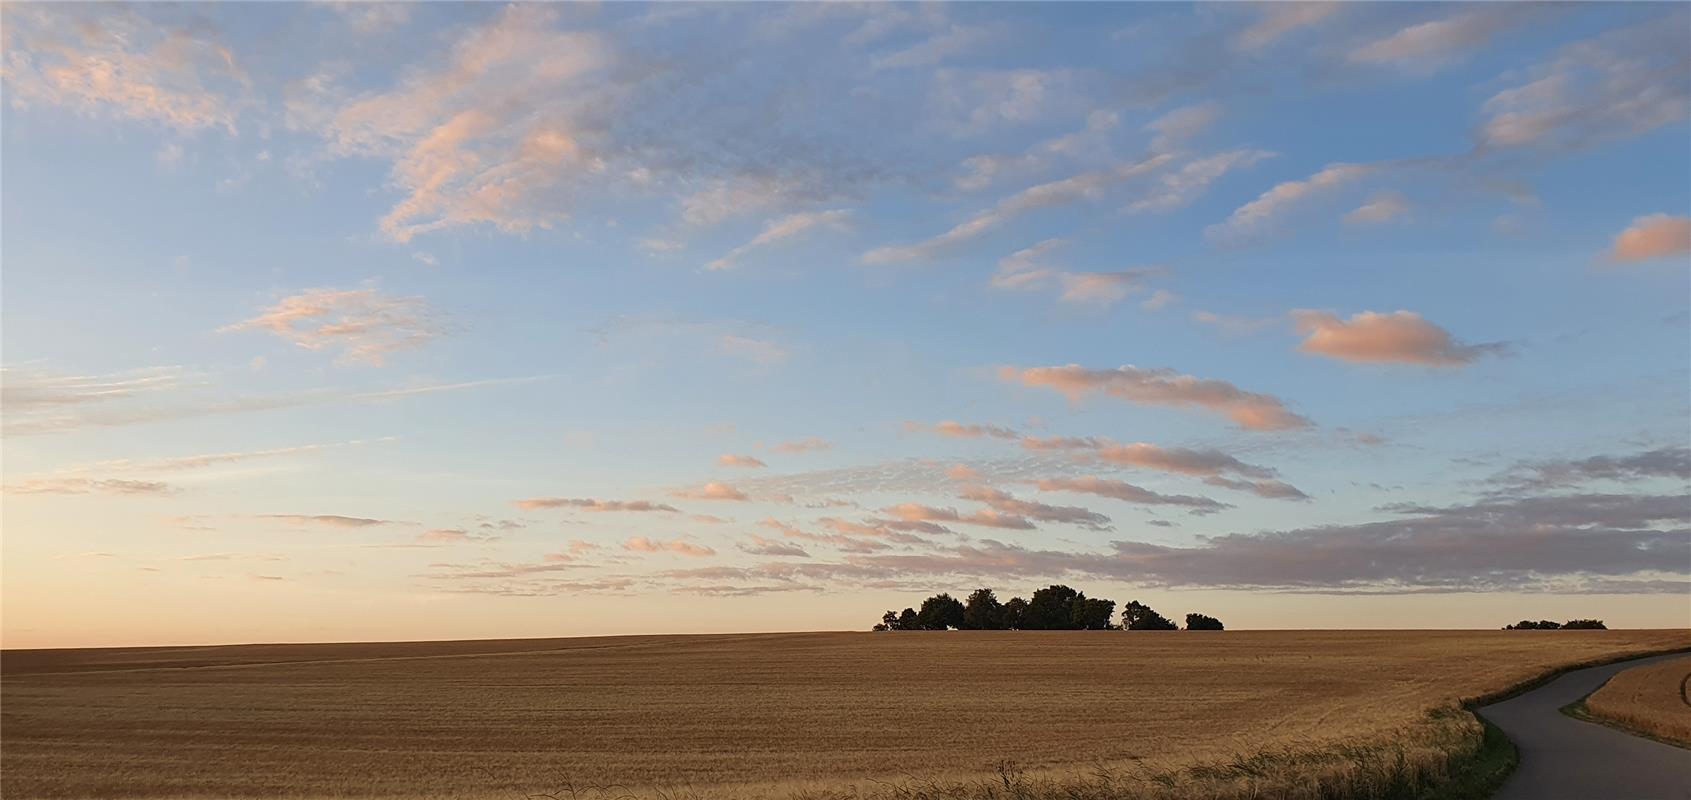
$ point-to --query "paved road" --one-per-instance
(1563, 758)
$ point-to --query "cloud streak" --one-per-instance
(363, 324)
(1163, 387)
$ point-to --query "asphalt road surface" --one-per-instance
(1563, 758)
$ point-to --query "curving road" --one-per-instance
(1563, 758)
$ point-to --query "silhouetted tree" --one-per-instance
(1203, 622)
(1014, 614)
(1136, 616)
(940, 612)
(1529, 625)
(982, 611)
(1049, 609)
(1584, 625)
(907, 620)
(889, 622)
(1091, 614)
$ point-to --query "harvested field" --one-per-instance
(755, 715)
(1651, 699)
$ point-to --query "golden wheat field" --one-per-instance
(1652, 698)
(768, 715)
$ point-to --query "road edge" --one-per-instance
(1481, 773)
(1578, 710)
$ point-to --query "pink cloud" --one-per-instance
(1372, 337)
(1182, 460)
(1652, 237)
(806, 445)
(731, 460)
(713, 491)
(1164, 387)
(1004, 503)
(641, 544)
(591, 504)
(987, 517)
(1062, 442)
(88, 486)
(962, 472)
(363, 324)
(958, 430)
(1121, 490)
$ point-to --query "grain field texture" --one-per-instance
(751, 716)
(1651, 699)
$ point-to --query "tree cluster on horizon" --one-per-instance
(1053, 608)
(1547, 625)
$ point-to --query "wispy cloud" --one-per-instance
(1669, 463)
(1276, 20)
(1427, 46)
(363, 324)
(88, 486)
(1001, 501)
(592, 504)
(327, 520)
(119, 63)
(733, 460)
(641, 544)
(712, 491)
(38, 401)
(958, 430)
(1256, 218)
(1121, 490)
(1382, 207)
(763, 546)
(1163, 387)
(777, 230)
(807, 445)
(1089, 185)
(1622, 83)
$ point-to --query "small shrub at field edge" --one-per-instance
(1651, 699)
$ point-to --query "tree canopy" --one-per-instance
(1136, 616)
(1203, 622)
(1549, 625)
(1053, 608)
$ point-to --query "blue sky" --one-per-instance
(364, 321)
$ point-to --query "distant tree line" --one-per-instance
(1054, 608)
(1547, 625)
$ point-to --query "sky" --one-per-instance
(336, 321)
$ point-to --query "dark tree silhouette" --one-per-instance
(1547, 625)
(1136, 616)
(1203, 622)
(1049, 609)
(889, 622)
(1091, 614)
(907, 620)
(982, 611)
(1014, 614)
(940, 612)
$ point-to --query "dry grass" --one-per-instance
(1650, 699)
(822, 715)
